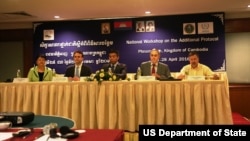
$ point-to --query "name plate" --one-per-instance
(60, 79)
(20, 80)
(146, 78)
(83, 79)
(195, 77)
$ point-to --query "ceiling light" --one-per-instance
(147, 12)
(248, 6)
(56, 17)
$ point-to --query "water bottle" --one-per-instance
(110, 71)
(138, 73)
(18, 73)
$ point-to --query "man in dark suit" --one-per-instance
(119, 69)
(74, 72)
(154, 67)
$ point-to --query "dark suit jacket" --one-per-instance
(120, 70)
(162, 70)
(70, 71)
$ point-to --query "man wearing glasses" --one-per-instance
(155, 68)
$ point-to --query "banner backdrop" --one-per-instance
(174, 36)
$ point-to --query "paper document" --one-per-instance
(5, 136)
(47, 138)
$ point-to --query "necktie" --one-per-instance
(77, 72)
(153, 69)
(112, 68)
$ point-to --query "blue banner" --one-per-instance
(174, 36)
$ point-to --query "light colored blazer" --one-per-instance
(34, 76)
(162, 70)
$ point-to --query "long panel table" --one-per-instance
(122, 104)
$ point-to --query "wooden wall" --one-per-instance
(239, 93)
(237, 25)
(240, 98)
(26, 37)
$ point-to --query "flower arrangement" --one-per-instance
(101, 75)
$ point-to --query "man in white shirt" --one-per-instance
(75, 71)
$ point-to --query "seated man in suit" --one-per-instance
(119, 69)
(74, 72)
(154, 67)
(194, 68)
